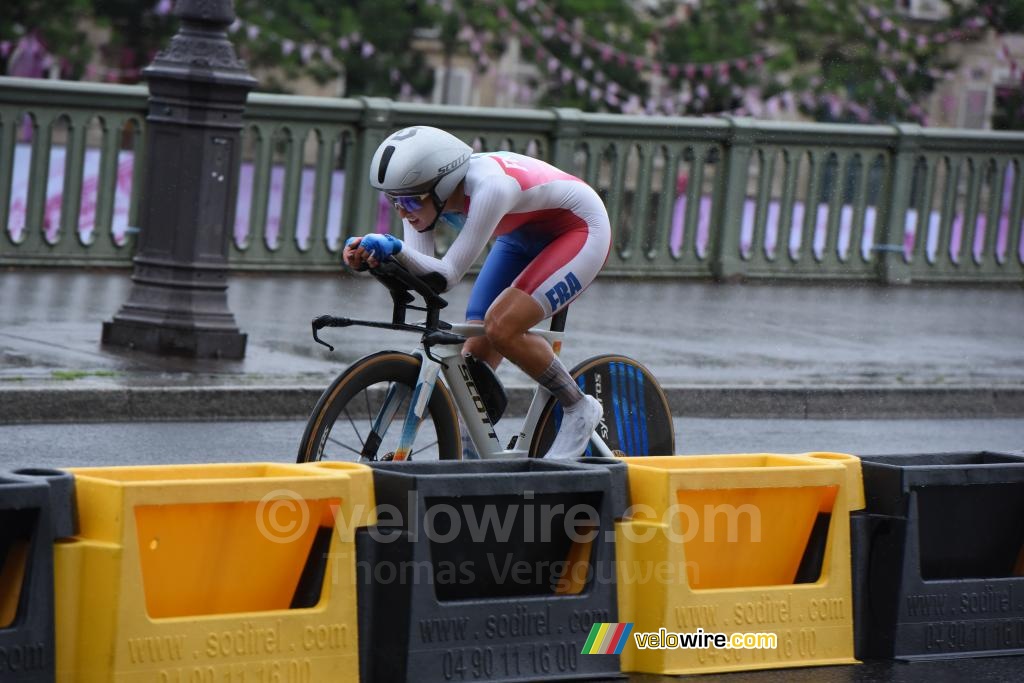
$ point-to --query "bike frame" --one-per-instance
(449, 361)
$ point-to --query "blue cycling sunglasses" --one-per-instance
(409, 203)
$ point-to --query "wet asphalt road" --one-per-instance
(123, 443)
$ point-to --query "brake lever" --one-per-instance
(440, 337)
(318, 324)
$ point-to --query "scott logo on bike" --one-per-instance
(563, 291)
(478, 401)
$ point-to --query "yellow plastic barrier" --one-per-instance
(203, 572)
(724, 544)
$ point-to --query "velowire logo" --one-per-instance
(607, 639)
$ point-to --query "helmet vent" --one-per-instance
(384, 160)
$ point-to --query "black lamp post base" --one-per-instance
(197, 93)
(179, 341)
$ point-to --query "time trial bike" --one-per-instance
(394, 405)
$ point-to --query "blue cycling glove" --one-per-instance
(381, 246)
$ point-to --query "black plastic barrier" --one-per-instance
(939, 556)
(35, 508)
(490, 571)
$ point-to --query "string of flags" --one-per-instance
(585, 72)
(352, 43)
(570, 33)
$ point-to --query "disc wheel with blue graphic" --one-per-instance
(637, 419)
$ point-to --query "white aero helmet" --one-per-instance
(418, 160)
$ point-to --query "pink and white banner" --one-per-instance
(55, 194)
(776, 236)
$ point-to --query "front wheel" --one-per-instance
(361, 414)
(637, 419)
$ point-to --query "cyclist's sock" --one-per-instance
(559, 382)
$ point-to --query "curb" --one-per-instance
(114, 404)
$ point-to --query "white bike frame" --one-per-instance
(470, 406)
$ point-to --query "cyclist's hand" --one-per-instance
(354, 256)
(379, 248)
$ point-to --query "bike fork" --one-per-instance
(417, 407)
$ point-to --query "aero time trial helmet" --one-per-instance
(420, 160)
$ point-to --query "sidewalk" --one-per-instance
(754, 350)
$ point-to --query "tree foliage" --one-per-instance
(841, 60)
(341, 32)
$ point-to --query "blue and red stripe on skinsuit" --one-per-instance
(555, 256)
(525, 259)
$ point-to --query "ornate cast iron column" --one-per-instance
(197, 93)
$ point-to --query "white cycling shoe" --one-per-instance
(578, 423)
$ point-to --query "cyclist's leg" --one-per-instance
(506, 259)
(507, 324)
(564, 268)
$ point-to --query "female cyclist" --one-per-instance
(552, 237)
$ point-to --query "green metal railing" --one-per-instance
(711, 197)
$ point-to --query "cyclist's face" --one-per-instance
(419, 218)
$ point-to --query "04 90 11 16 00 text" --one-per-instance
(295, 670)
(503, 661)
